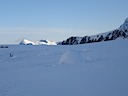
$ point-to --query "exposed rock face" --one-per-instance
(121, 32)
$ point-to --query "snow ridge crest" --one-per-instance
(121, 32)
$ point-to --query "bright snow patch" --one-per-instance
(40, 42)
(70, 57)
(26, 42)
(45, 42)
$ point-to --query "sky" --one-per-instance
(56, 20)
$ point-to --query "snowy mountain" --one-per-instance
(96, 69)
(121, 32)
(26, 42)
(124, 26)
(45, 42)
(40, 42)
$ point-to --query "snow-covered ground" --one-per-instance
(97, 69)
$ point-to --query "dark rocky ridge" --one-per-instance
(121, 32)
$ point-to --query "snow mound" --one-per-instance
(70, 57)
(77, 57)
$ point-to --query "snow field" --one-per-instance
(98, 69)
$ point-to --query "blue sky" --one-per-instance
(58, 19)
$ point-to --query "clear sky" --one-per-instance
(58, 19)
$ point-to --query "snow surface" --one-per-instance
(96, 69)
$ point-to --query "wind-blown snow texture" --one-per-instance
(98, 69)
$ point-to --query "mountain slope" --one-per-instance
(26, 42)
(121, 32)
(40, 42)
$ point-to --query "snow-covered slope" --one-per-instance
(96, 69)
(26, 42)
(121, 32)
(124, 26)
(40, 42)
(45, 42)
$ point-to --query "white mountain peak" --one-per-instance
(40, 42)
(124, 26)
(126, 20)
(26, 42)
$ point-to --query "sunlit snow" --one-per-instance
(98, 69)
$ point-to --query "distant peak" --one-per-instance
(26, 42)
(40, 42)
(126, 20)
(124, 26)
